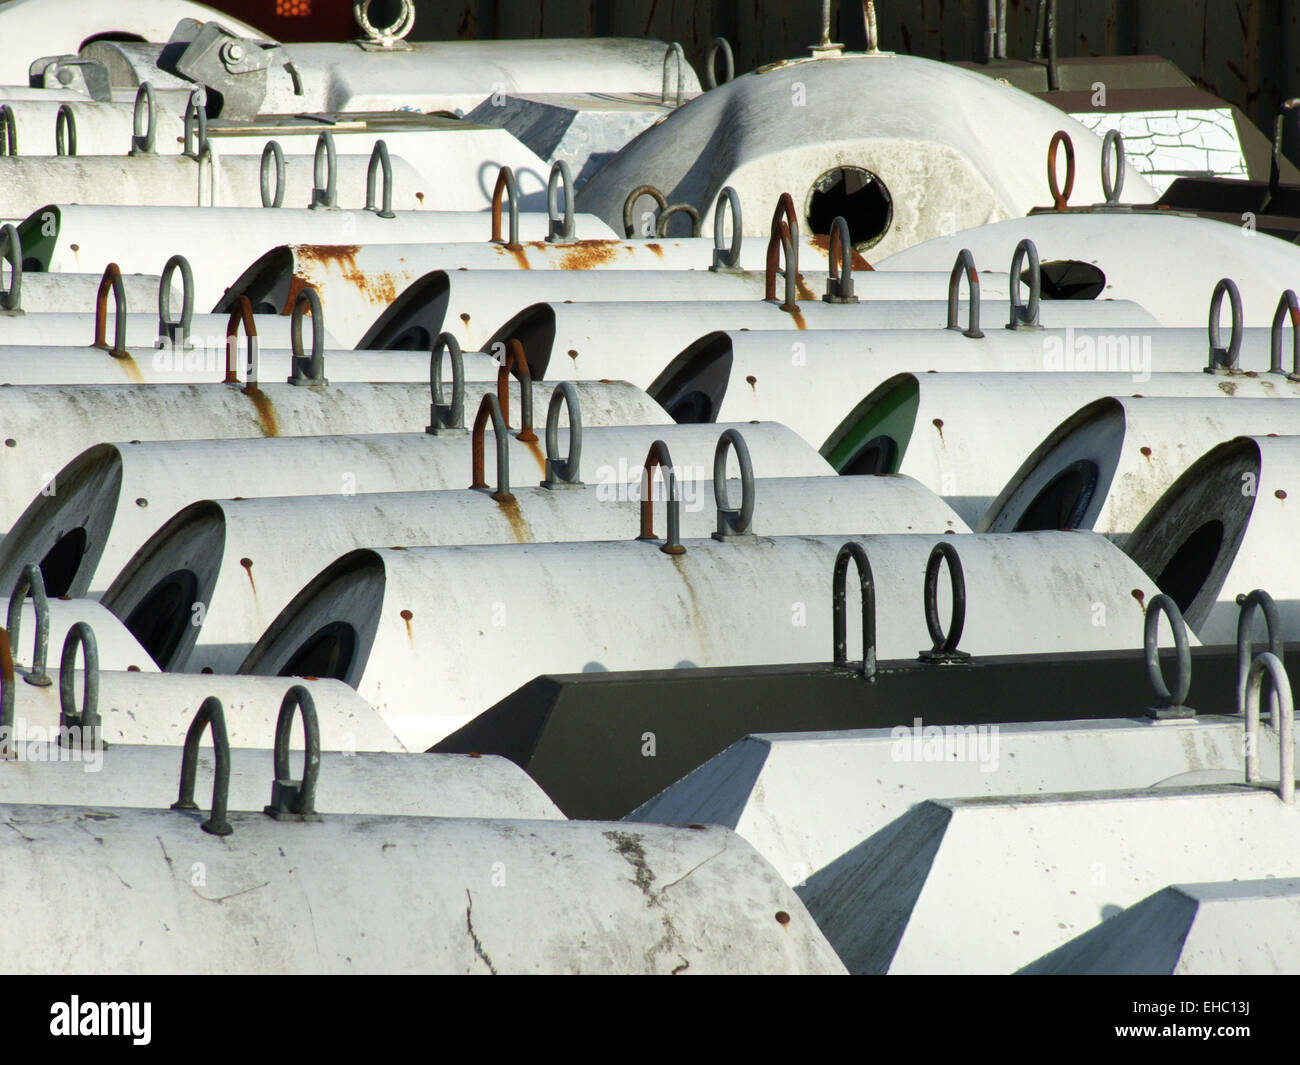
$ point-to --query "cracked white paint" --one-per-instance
(1165, 145)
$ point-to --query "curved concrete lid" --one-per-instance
(954, 148)
(1169, 263)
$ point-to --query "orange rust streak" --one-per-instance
(247, 563)
(658, 249)
(804, 292)
(584, 254)
(265, 411)
(130, 367)
(518, 526)
(797, 315)
(823, 241)
(406, 616)
(536, 449)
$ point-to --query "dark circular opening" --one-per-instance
(877, 457)
(1061, 505)
(327, 653)
(856, 194)
(1069, 279)
(1185, 573)
(160, 619)
(61, 562)
(265, 307)
(692, 408)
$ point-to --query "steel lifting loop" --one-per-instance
(1288, 304)
(1060, 198)
(11, 252)
(8, 131)
(295, 800)
(7, 697)
(446, 419)
(111, 281)
(965, 264)
(307, 369)
(1283, 722)
(242, 314)
(380, 163)
(81, 637)
(196, 125)
(1025, 317)
(658, 456)
(718, 44)
(506, 186)
(490, 407)
(516, 361)
(839, 608)
(31, 581)
(724, 257)
(1256, 600)
(390, 35)
(1112, 145)
(944, 647)
(325, 174)
(661, 224)
(563, 472)
(1224, 360)
(207, 166)
(211, 715)
(738, 524)
(783, 240)
(143, 140)
(629, 229)
(839, 278)
(559, 226)
(65, 131)
(674, 51)
(1168, 703)
(273, 167)
(176, 333)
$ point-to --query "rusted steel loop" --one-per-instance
(211, 715)
(506, 186)
(658, 456)
(857, 554)
(111, 282)
(490, 407)
(1288, 305)
(1060, 198)
(242, 314)
(516, 361)
(781, 244)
